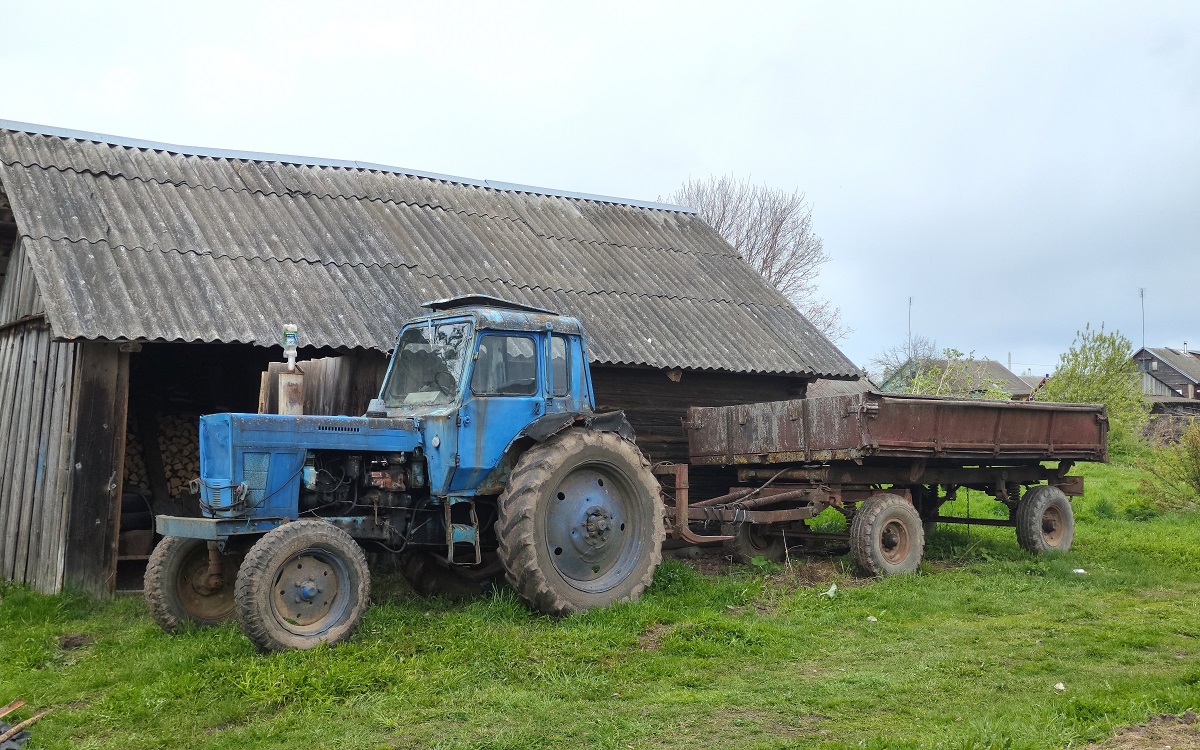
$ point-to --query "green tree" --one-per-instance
(955, 374)
(1099, 369)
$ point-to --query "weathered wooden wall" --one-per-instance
(36, 409)
(332, 385)
(656, 405)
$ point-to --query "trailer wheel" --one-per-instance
(580, 523)
(429, 576)
(302, 584)
(886, 536)
(1045, 520)
(178, 587)
(751, 540)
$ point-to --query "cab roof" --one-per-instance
(488, 316)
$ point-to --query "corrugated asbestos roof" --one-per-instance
(1187, 363)
(155, 242)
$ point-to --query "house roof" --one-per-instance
(1186, 363)
(137, 240)
(978, 370)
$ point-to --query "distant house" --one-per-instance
(1170, 378)
(975, 377)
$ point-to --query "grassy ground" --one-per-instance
(966, 654)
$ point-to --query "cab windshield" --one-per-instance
(428, 365)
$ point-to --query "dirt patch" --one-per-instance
(1166, 731)
(72, 641)
(651, 638)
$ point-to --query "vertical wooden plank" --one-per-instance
(9, 373)
(19, 413)
(49, 575)
(31, 433)
(102, 392)
(65, 456)
(43, 505)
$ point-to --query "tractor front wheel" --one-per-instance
(580, 523)
(302, 584)
(181, 585)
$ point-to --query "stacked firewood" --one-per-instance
(135, 462)
(179, 447)
(179, 438)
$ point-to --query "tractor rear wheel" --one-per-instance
(580, 523)
(429, 575)
(302, 584)
(1045, 521)
(886, 536)
(179, 587)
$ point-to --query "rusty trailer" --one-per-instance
(888, 463)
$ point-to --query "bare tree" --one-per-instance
(917, 350)
(773, 230)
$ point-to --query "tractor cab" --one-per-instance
(475, 374)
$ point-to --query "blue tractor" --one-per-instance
(481, 459)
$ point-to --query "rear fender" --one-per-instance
(542, 429)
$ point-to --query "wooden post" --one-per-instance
(97, 468)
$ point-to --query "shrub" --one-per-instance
(1174, 472)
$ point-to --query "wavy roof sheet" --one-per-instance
(133, 240)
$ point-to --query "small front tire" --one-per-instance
(179, 588)
(302, 584)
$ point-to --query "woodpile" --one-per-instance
(179, 447)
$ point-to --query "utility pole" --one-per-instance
(1142, 297)
(910, 325)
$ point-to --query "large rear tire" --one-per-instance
(302, 584)
(1045, 520)
(179, 589)
(580, 523)
(886, 536)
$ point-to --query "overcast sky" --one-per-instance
(1019, 169)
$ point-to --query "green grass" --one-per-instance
(964, 654)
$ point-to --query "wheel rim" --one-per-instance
(202, 597)
(758, 538)
(894, 542)
(1053, 528)
(591, 525)
(311, 593)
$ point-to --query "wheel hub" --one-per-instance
(596, 526)
(588, 538)
(1052, 523)
(306, 591)
(894, 542)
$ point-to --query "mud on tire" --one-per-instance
(302, 584)
(580, 523)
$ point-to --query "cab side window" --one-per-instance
(505, 366)
(560, 365)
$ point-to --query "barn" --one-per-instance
(143, 284)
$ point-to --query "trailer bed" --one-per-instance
(871, 424)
